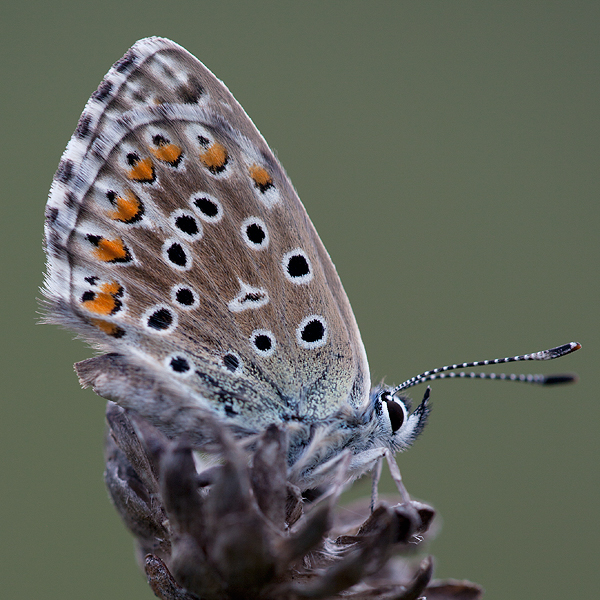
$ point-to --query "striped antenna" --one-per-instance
(448, 370)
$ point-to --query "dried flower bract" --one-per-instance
(229, 524)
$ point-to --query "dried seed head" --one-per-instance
(239, 529)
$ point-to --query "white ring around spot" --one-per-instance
(317, 343)
(259, 332)
(301, 279)
(187, 373)
(157, 307)
(179, 287)
(208, 218)
(188, 255)
(260, 223)
(185, 213)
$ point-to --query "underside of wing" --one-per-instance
(176, 240)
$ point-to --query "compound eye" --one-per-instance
(395, 411)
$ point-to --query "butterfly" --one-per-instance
(178, 247)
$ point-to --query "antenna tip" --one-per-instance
(560, 378)
(562, 350)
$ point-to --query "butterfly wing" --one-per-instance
(176, 241)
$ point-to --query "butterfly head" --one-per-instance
(398, 428)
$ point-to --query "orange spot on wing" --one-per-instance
(261, 177)
(215, 157)
(128, 208)
(102, 304)
(112, 288)
(106, 301)
(111, 250)
(142, 170)
(169, 153)
(108, 328)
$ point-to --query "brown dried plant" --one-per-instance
(233, 527)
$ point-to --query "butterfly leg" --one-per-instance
(375, 483)
(373, 460)
(396, 476)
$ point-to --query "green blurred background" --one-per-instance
(447, 153)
